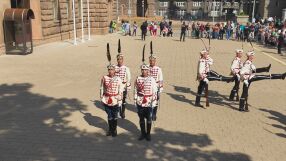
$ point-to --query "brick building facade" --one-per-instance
(136, 8)
(54, 18)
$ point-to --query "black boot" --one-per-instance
(143, 131)
(265, 69)
(198, 100)
(241, 104)
(232, 94)
(148, 135)
(154, 113)
(114, 128)
(109, 128)
(278, 76)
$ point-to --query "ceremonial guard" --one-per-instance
(235, 72)
(248, 76)
(123, 72)
(156, 73)
(204, 75)
(111, 89)
(145, 97)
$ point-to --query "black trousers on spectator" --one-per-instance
(143, 35)
(279, 48)
(183, 35)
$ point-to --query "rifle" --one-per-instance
(246, 103)
(204, 44)
(158, 97)
(207, 95)
(237, 93)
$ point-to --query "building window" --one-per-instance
(215, 6)
(197, 4)
(56, 9)
(180, 4)
(277, 3)
(181, 12)
(164, 4)
(20, 3)
(162, 12)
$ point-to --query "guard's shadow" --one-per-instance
(95, 121)
(181, 98)
(37, 127)
(279, 117)
(214, 97)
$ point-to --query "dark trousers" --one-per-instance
(211, 76)
(235, 88)
(134, 33)
(279, 48)
(112, 115)
(201, 88)
(214, 76)
(143, 35)
(111, 111)
(145, 113)
(244, 95)
(221, 36)
(183, 35)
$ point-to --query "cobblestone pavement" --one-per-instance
(50, 108)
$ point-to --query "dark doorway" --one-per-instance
(140, 8)
(20, 3)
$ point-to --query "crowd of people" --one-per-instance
(163, 28)
(270, 32)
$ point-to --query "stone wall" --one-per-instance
(101, 12)
(123, 8)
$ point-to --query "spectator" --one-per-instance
(110, 27)
(184, 28)
(135, 26)
(154, 31)
(280, 42)
(143, 28)
(162, 25)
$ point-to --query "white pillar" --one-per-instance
(74, 28)
(88, 20)
(253, 8)
(82, 31)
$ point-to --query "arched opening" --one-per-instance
(123, 8)
(140, 5)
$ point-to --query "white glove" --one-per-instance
(206, 80)
(238, 77)
(246, 82)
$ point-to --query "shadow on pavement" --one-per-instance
(36, 127)
(277, 116)
(181, 98)
(214, 97)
